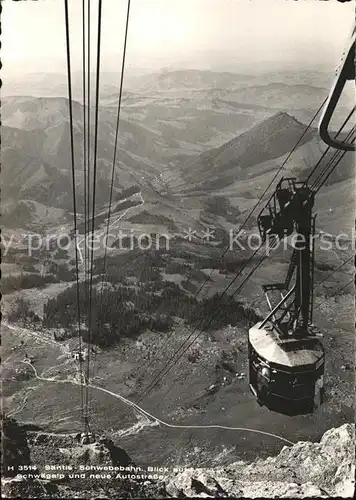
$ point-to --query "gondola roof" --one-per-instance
(289, 352)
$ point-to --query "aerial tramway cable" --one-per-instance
(86, 158)
(95, 163)
(253, 210)
(88, 266)
(317, 307)
(165, 369)
(114, 159)
(268, 186)
(86, 164)
(88, 141)
(70, 107)
(244, 225)
(84, 143)
(185, 345)
(337, 292)
(334, 271)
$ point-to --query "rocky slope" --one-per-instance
(59, 466)
(324, 469)
(304, 470)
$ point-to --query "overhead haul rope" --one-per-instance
(95, 163)
(255, 207)
(268, 186)
(88, 143)
(94, 174)
(84, 144)
(253, 210)
(113, 164)
(183, 349)
(337, 293)
(218, 311)
(338, 159)
(317, 307)
(166, 368)
(86, 55)
(70, 106)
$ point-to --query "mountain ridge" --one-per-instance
(153, 153)
(268, 140)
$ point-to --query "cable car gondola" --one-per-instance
(285, 374)
(286, 359)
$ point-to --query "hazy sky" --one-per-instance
(165, 32)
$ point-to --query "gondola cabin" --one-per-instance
(286, 360)
(285, 373)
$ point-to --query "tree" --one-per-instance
(15, 448)
(21, 311)
(61, 254)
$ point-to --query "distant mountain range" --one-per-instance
(182, 133)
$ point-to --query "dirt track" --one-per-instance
(201, 426)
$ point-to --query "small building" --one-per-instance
(80, 355)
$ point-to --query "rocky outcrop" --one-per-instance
(65, 478)
(324, 469)
(14, 445)
(304, 470)
(16, 456)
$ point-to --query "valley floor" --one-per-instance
(207, 388)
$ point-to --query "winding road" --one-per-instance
(113, 224)
(135, 406)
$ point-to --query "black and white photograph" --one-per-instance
(178, 248)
